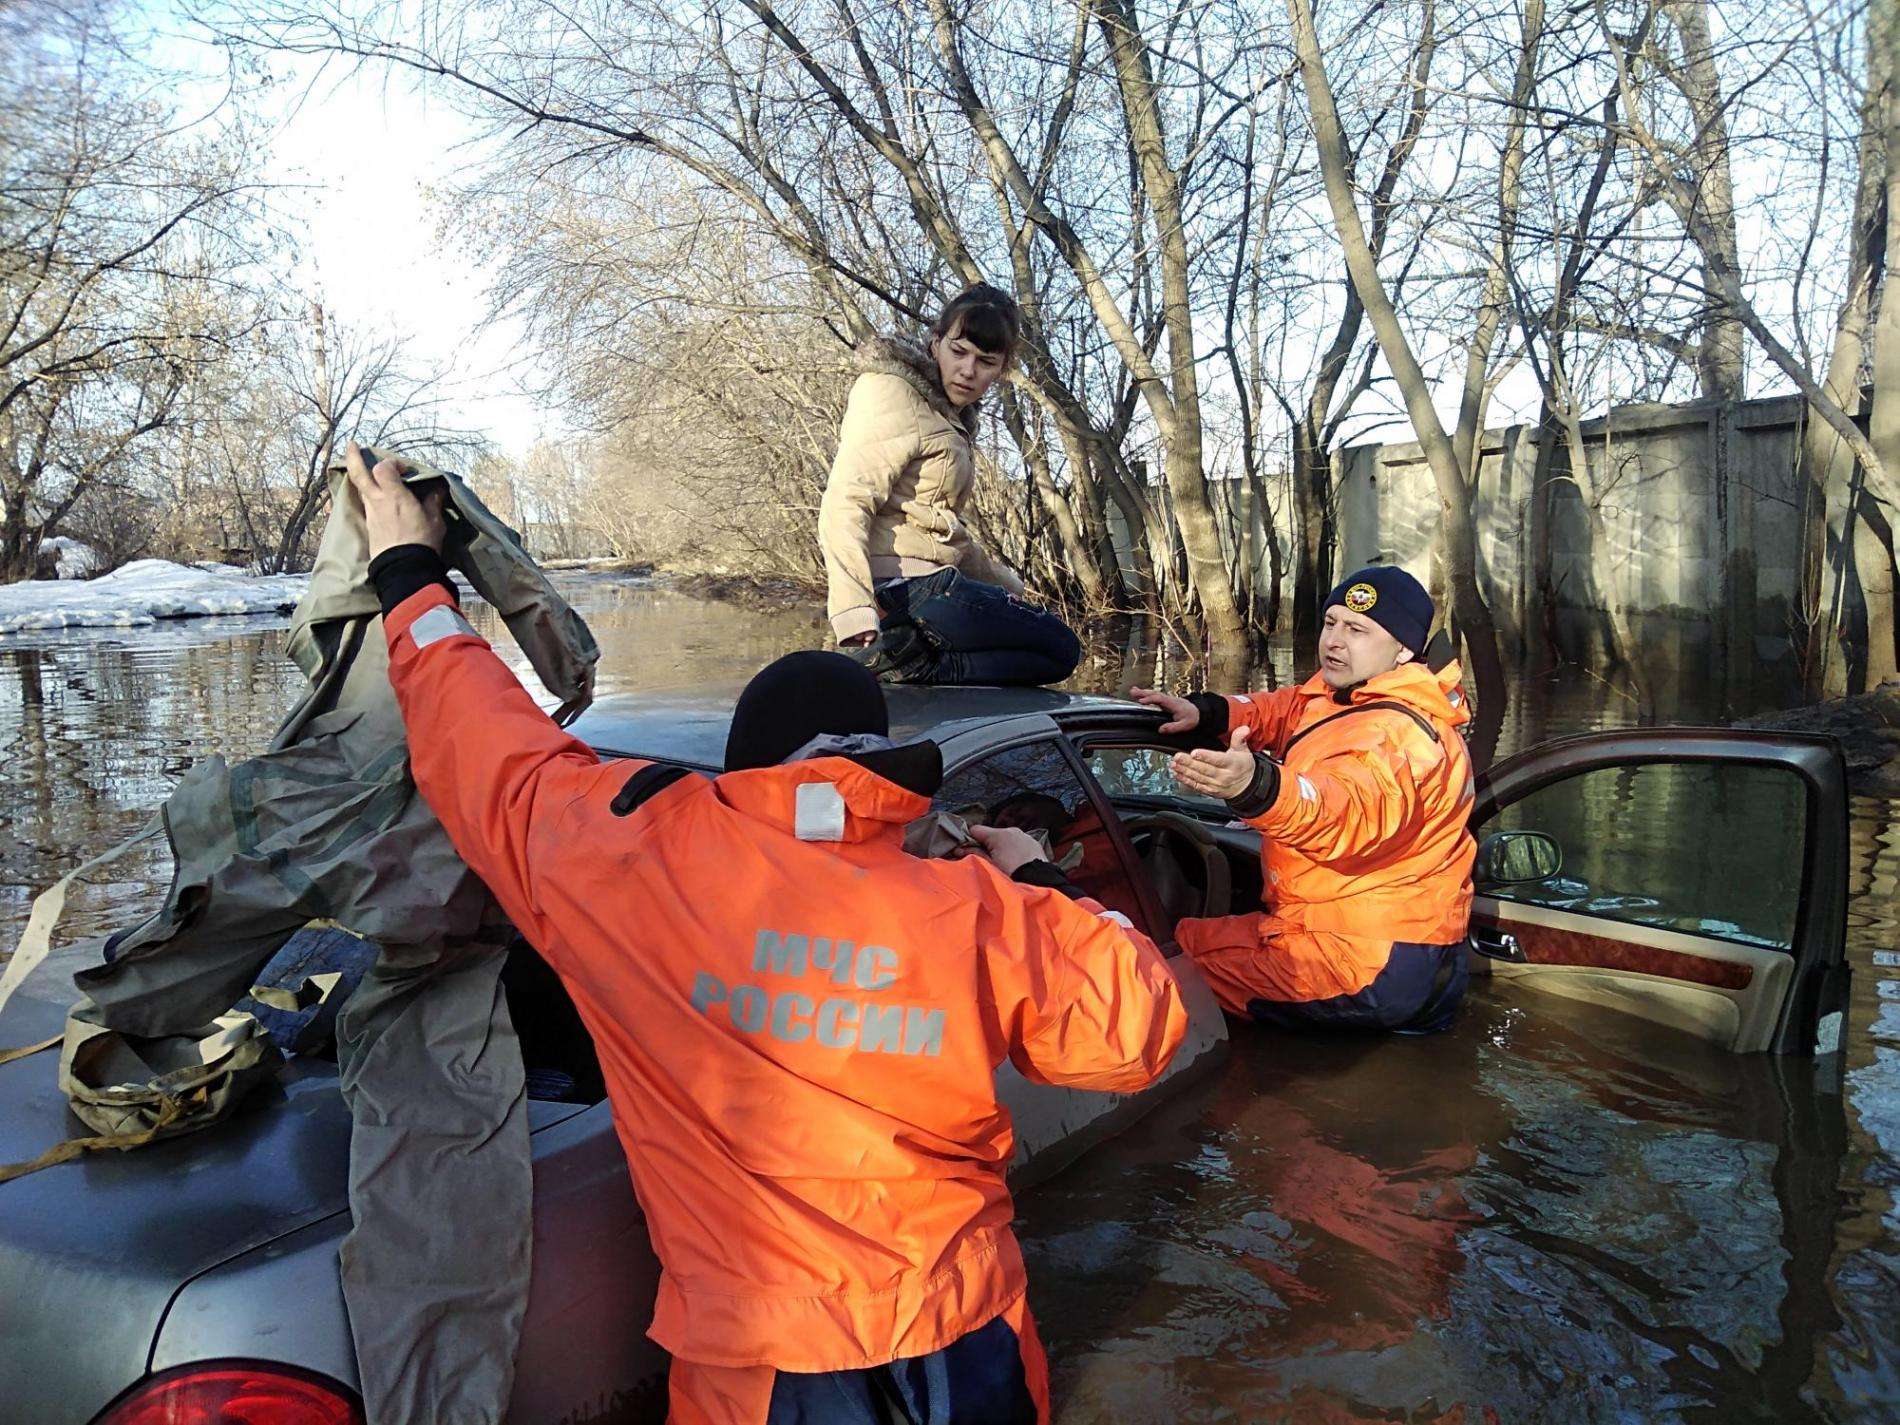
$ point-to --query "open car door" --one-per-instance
(1695, 878)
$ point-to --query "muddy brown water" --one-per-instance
(1549, 1213)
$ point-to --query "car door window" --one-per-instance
(1706, 848)
(1140, 774)
(1035, 787)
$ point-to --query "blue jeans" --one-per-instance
(982, 634)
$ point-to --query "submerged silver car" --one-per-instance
(162, 1285)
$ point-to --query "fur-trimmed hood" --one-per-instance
(910, 361)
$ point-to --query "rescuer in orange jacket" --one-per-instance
(1360, 785)
(798, 1023)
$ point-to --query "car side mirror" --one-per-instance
(1515, 858)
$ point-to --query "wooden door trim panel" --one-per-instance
(1747, 1025)
(1552, 945)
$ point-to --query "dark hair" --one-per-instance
(985, 316)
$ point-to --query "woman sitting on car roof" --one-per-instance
(913, 596)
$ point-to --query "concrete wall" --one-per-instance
(1702, 507)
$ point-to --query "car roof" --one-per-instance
(689, 724)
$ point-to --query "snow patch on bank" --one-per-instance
(72, 558)
(145, 591)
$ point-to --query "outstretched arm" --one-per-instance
(1211, 718)
(492, 766)
(1082, 998)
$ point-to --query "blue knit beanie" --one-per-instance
(1392, 599)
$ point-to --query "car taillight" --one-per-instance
(234, 1393)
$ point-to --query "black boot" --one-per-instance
(901, 653)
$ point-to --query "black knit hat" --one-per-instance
(793, 700)
(1392, 599)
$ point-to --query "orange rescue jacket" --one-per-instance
(1367, 837)
(799, 1024)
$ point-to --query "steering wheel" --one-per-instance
(1185, 864)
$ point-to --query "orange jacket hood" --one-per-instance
(875, 808)
(1439, 696)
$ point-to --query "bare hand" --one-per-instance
(1183, 715)
(391, 514)
(1223, 774)
(1009, 848)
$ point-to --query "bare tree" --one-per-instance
(116, 227)
(338, 381)
(822, 130)
(1719, 353)
(1879, 486)
(1457, 530)
(1317, 420)
(1873, 543)
(254, 432)
(701, 209)
(1839, 508)
(1551, 337)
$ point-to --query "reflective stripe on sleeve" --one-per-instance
(438, 623)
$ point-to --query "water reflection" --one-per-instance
(96, 727)
(1580, 1220)
(1552, 1213)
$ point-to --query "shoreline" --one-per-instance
(766, 592)
(1866, 725)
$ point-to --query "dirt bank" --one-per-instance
(752, 591)
(1868, 728)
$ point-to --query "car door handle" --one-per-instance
(1497, 944)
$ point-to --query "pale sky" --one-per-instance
(363, 149)
(375, 247)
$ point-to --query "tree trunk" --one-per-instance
(1468, 435)
(1472, 615)
(1623, 650)
(1540, 609)
(1183, 465)
(1276, 573)
(1091, 498)
(1827, 464)
(1873, 559)
(1077, 560)
(1314, 536)
(1873, 544)
(1316, 533)
(1720, 356)
(19, 552)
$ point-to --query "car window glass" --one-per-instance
(1128, 773)
(1034, 787)
(1710, 848)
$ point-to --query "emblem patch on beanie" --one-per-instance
(1361, 597)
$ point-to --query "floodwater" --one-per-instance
(1551, 1213)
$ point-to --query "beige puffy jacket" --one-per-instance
(903, 470)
